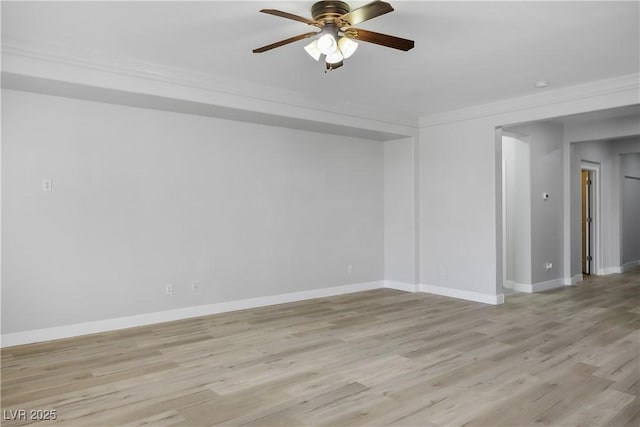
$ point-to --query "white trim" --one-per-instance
(500, 134)
(630, 82)
(74, 330)
(78, 329)
(545, 286)
(609, 270)
(540, 286)
(630, 265)
(81, 60)
(523, 287)
(548, 285)
(571, 281)
(461, 294)
(400, 286)
(526, 186)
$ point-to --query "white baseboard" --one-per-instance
(523, 287)
(548, 285)
(78, 329)
(67, 331)
(400, 286)
(571, 281)
(460, 294)
(447, 292)
(609, 270)
(630, 265)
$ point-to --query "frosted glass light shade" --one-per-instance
(335, 57)
(313, 51)
(347, 46)
(327, 44)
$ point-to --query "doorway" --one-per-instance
(586, 197)
(516, 212)
(588, 216)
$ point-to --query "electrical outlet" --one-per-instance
(195, 287)
(47, 185)
(169, 289)
(350, 269)
(548, 265)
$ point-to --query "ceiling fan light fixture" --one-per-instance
(347, 46)
(313, 51)
(335, 57)
(327, 44)
(335, 37)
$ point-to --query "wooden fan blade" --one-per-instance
(366, 12)
(290, 16)
(284, 42)
(381, 39)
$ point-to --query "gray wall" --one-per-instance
(142, 198)
(613, 198)
(545, 145)
(399, 232)
(546, 142)
(460, 224)
(630, 207)
(457, 207)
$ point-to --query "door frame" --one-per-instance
(513, 284)
(594, 168)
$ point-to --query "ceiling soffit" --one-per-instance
(39, 62)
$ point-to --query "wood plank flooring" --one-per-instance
(568, 357)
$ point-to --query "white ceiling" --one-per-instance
(467, 53)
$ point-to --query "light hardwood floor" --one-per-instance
(568, 357)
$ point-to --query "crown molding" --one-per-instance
(93, 60)
(627, 83)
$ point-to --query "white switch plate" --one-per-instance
(47, 185)
(195, 287)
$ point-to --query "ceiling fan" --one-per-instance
(336, 34)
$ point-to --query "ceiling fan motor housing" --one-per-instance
(328, 11)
